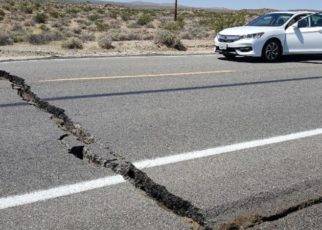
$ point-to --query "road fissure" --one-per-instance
(140, 180)
(250, 221)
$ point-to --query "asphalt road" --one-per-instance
(154, 107)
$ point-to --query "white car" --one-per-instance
(272, 35)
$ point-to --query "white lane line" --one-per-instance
(65, 190)
(137, 76)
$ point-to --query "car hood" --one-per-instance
(243, 30)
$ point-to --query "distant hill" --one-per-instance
(152, 5)
(143, 5)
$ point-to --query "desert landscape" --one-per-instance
(58, 28)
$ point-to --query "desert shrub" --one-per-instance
(92, 28)
(17, 17)
(29, 23)
(60, 23)
(66, 31)
(77, 30)
(18, 33)
(26, 8)
(2, 14)
(19, 36)
(194, 31)
(5, 39)
(124, 35)
(73, 10)
(73, 43)
(40, 17)
(8, 7)
(86, 7)
(172, 26)
(54, 14)
(44, 38)
(93, 17)
(221, 20)
(113, 14)
(125, 15)
(43, 27)
(101, 25)
(133, 25)
(165, 19)
(87, 36)
(38, 39)
(114, 24)
(105, 41)
(146, 35)
(57, 24)
(37, 5)
(83, 27)
(144, 19)
(16, 27)
(169, 39)
(100, 11)
(81, 21)
(87, 23)
(150, 25)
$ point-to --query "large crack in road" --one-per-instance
(90, 148)
(117, 164)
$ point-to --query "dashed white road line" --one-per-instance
(65, 190)
(137, 76)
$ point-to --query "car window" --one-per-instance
(316, 20)
(296, 19)
(304, 23)
(276, 19)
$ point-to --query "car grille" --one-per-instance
(228, 38)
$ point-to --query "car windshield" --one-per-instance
(271, 20)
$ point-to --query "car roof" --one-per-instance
(293, 12)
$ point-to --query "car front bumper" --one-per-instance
(243, 47)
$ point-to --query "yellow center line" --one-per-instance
(136, 76)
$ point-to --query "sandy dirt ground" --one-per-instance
(54, 49)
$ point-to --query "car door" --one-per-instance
(306, 37)
(314, 34)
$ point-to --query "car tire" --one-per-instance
(272, 51)
(229, 56)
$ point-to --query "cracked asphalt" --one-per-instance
(150, 117)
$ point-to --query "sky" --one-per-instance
(240, 4)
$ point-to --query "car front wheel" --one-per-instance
(272, 51)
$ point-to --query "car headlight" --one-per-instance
(252, 36)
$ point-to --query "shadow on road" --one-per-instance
(181, 89)
(309, 59)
